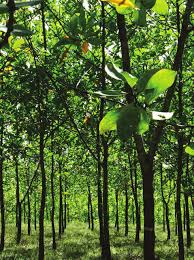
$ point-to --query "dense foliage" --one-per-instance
(96, 122)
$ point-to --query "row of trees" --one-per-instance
(59, 77)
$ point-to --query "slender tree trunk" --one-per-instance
(29, 208)
(184, 218)
(106, 242)
(126, 210)
(165, 205)
(167, 221)
(117, 210)
(24, 211)
(43, 194)
(54, 245)
(178, 198)
(134, 191)
(65, 206)
(163, 218)
(148, 199)
(88, 210)
(175, 220)
(60, 203)
(187, 213)
(18, 204)
(35, 218)
(91, 212)
(2, 236)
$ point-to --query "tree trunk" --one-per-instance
(167, 221)
(148, 199)
(2, 236)
(126, 211)
(90, 209)
(28, 201)
(54, 245)
(60, 203)
(106, 242)
(65, 206)
(178, 198)
(43, 194)
(117, 210)
(35, 219)
(18, 204)
(187, 216)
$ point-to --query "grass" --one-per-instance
(79, 242)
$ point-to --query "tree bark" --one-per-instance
(60, 203)
(18, 204)
(126, 210)
(187, 213)
(106, 242)
(2, 237)
(29, 207)
(117, 210)
(54, 245)
(43, 193)
(148, 199)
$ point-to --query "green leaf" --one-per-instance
(116, 73)
(123, 10)
(128, 121)
(161, 7)
(74, 24)
(148, 4)
(3, 9)
(161, 115)
(109, 93)
(130, 79)
(28, 3)
(158, 83)
(144, 122)
(18, 44)
(140, 16)
(19, 30)
(67, 41)
(109, 121)
(113, 71)
(190, 149)
(142, 82)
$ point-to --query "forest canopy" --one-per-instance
(96, 129)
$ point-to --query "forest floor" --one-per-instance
(78, 242)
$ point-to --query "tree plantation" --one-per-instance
(96, 129)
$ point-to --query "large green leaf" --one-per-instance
(109, 121)
(128, 121)
(131, 120)
(190, 149)
(142, 82)
(161, 7)
(116, 73)
(158, 83)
